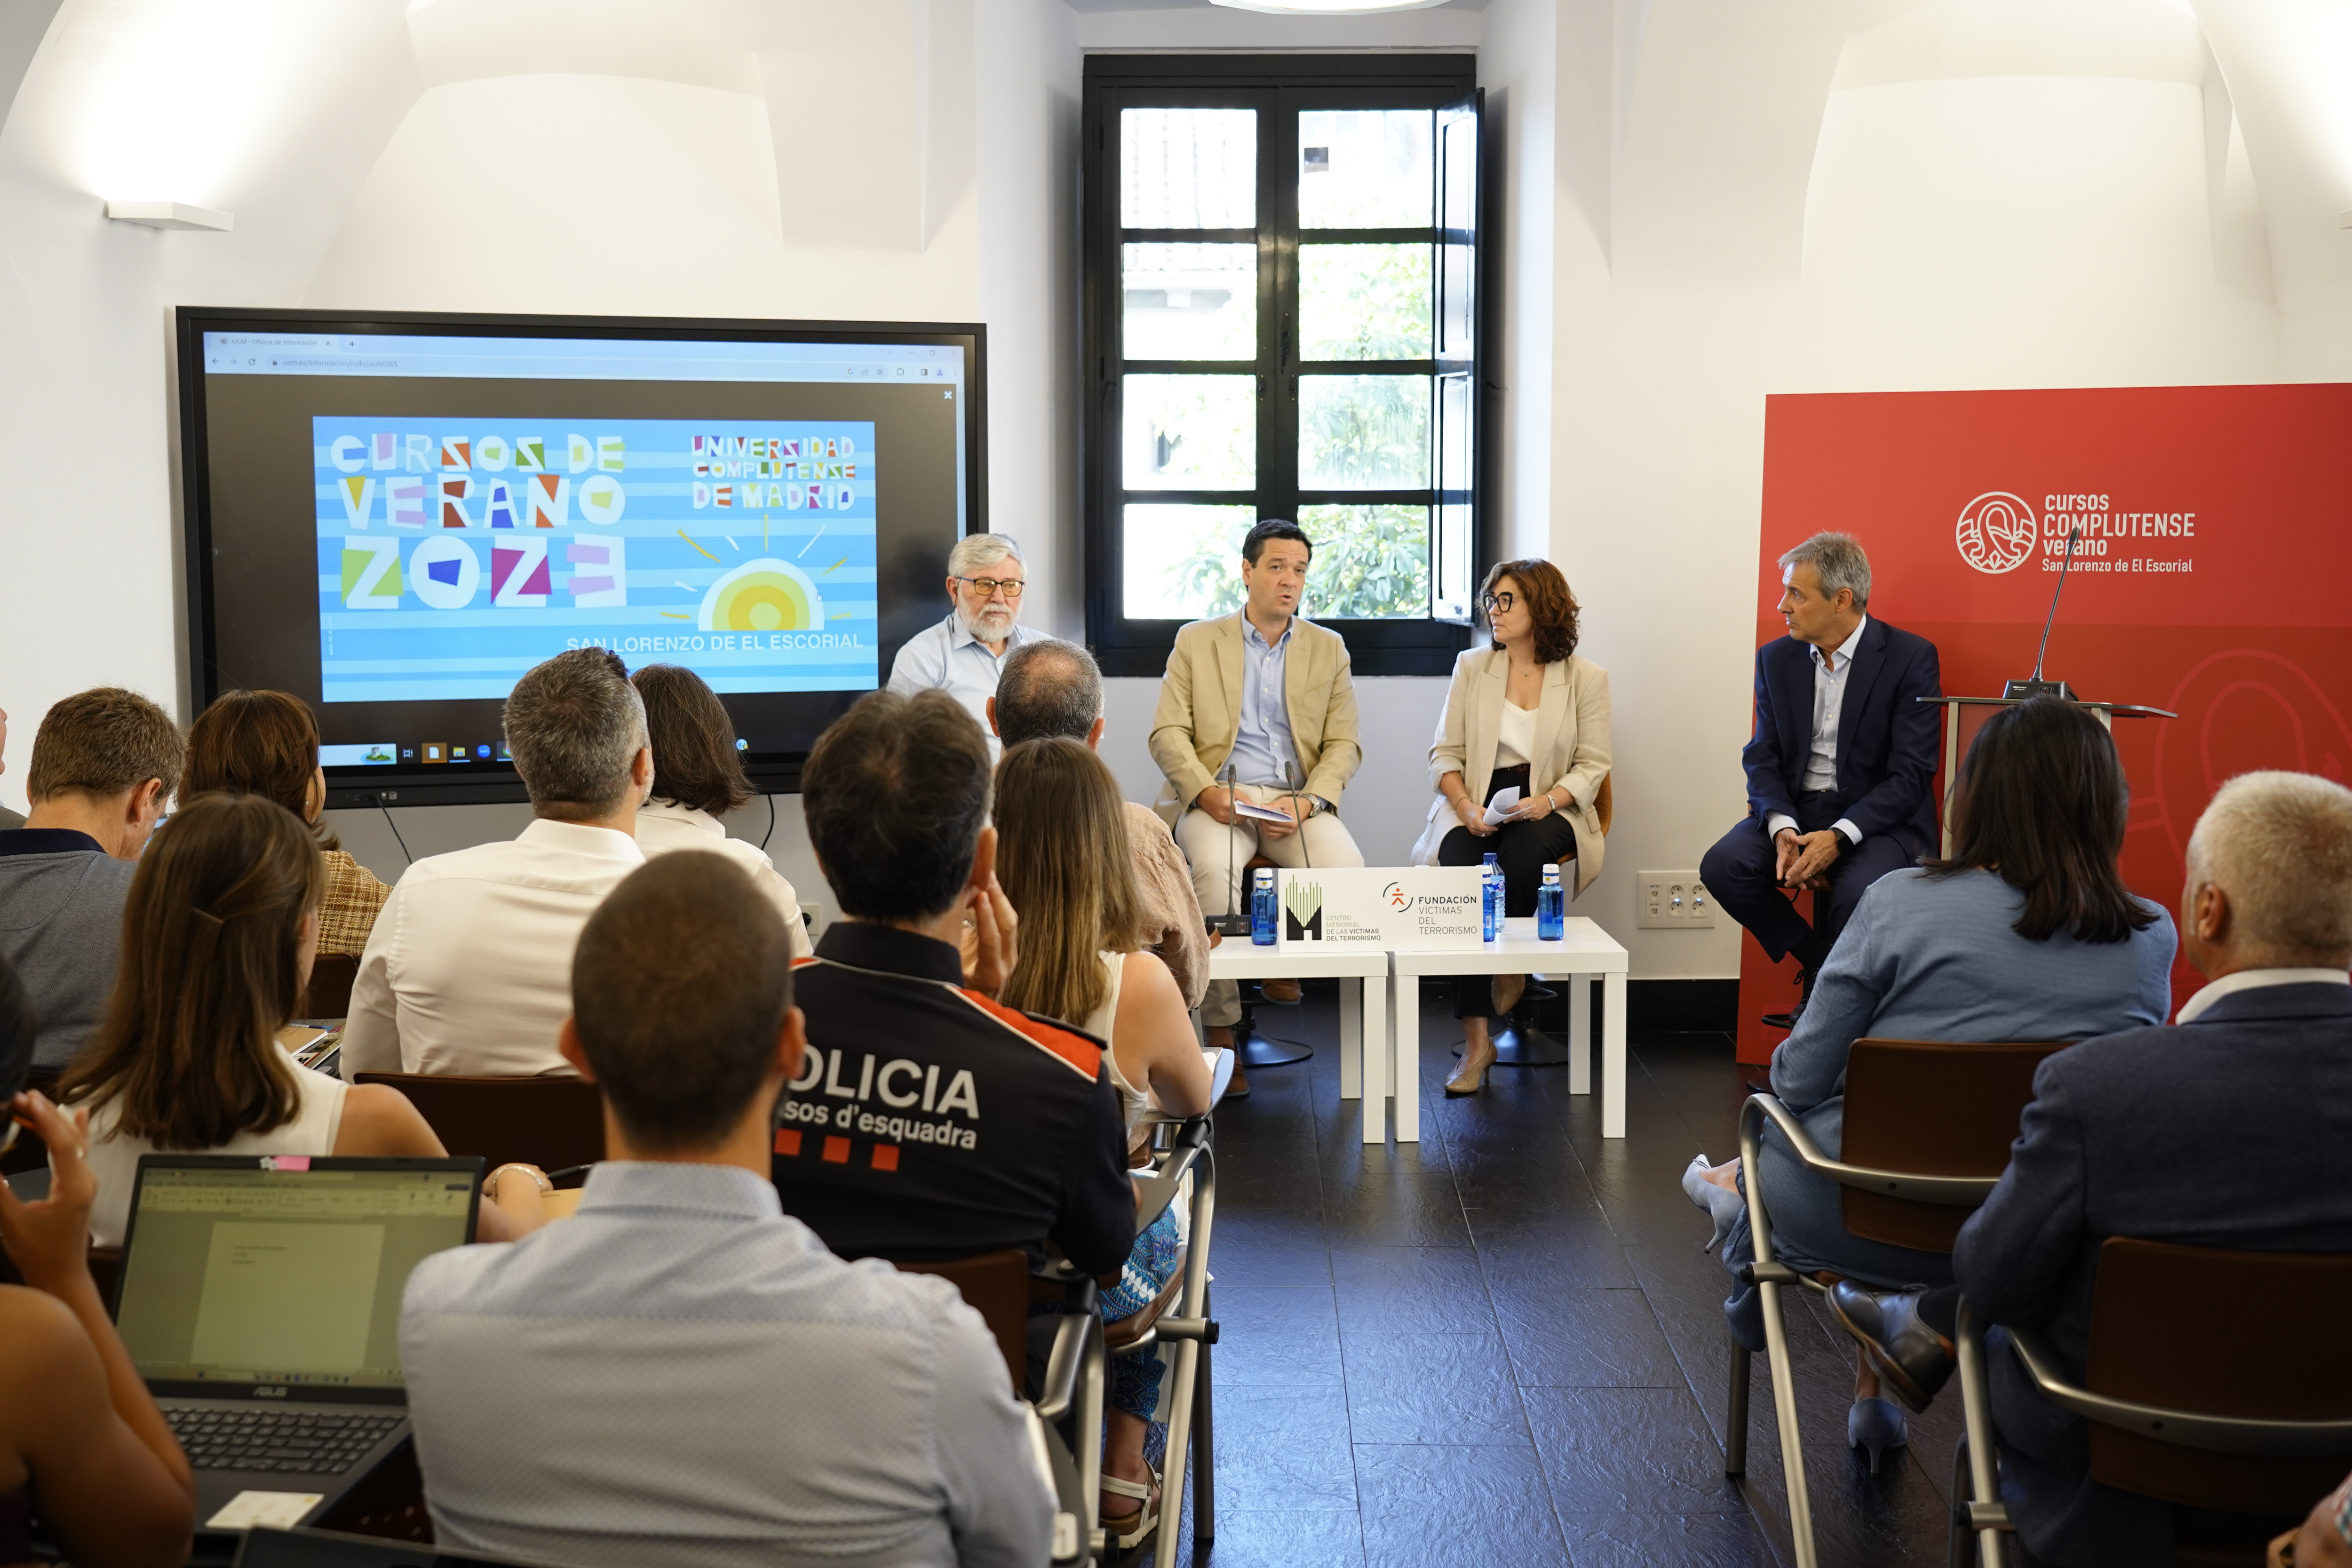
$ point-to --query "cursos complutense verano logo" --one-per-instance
(1997, 532)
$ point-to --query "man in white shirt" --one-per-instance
(1841, 764)
(681, 1372)
(468, 969)
(964, 653)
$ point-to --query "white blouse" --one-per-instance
(1516, 738)
(664, 825)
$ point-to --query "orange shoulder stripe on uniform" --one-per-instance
(1074, 1050)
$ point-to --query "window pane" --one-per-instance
(1191, 301)
(1190, 432)
(1362, 432)
(1364, 302)
(1184, 563)
(1372, 563)
(1188, 168)
(1364, 169)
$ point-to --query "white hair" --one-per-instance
(975, 551)
(1837, 559)
(2279, 846)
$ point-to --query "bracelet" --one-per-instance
(490, 1182)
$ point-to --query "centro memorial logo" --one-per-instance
(1997, 532)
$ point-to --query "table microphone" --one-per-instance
(1289, 776)
(1230, 923)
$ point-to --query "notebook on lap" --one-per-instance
(260, 1300)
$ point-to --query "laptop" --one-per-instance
(260, 1300)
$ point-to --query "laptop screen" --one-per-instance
(237, 1272)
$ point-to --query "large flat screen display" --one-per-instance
(394, 516)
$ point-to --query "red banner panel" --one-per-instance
(2212, 575)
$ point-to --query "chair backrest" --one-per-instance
(1604, 804)
(550, 1122)
(996, 1286)
(1934, 1108)
(2218, 1333)
(329, 994)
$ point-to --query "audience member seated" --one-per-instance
(468, 971)
(217, 940)
(2225, 1129)
(9, 818)
(1057, 823)
(2025, 932)
(681, 1372)
(267, 743)
(79, 1432)
(2321, 1541)
(104, 763)
(1053, 688)
(930, 1121)
(699, 778)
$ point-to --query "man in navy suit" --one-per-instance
(1841, 765)
(2230, 1127)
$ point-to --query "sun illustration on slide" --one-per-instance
(764, 595)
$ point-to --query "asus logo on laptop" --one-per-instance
(266, 1391)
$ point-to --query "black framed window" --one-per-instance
(1281, 267)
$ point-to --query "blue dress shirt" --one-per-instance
(954, 661)
(1263, 745)
(681, 1373)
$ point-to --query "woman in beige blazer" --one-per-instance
(1526, 713)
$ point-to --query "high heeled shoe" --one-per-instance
(1469, 1079)
(1876, 1425)
(1722, 1203)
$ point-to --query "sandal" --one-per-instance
(1125, 1532)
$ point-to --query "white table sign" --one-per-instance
(1378, 907)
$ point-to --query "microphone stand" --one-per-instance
(1232, 922)
(2033, 685)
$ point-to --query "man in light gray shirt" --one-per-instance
(104, 762)
(681, 1372)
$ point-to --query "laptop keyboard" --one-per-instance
(302, 1441)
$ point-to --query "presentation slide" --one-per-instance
(454, 554)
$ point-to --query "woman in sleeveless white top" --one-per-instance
(115, 1160)
(1135, 1101)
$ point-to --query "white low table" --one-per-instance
(1585, 953)
(1364, 1018)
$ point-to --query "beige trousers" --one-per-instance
(1219, 853)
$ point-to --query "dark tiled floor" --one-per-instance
(1503, 1345)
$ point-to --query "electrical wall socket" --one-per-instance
(1676, 900)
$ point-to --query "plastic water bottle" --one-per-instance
(1552, 907)
(1490, 900)
(1264, 918)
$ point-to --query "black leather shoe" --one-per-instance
(1915, 1360)
(1788, 1020)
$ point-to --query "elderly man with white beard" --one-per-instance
(962, 655)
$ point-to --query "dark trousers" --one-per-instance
(1738, 872)
(1523, 849)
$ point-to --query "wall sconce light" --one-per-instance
(169, 214)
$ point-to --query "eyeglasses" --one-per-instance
(1503, 600)
(989, 587)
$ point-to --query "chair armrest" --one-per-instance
(1952, 1191)
(1154, 1192)
(1077, 1336)
(2250, 1435)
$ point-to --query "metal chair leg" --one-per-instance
(1204, 1445)
(1191, 1332)
(1776, 1343)
(1735, 1446)
(1985, 1509)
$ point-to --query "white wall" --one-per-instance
(1706, 202)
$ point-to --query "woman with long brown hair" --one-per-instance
(1525, 715)
(217, 938)
(1063, 860)
(267, 743)
(2025, 931)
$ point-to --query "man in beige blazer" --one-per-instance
(1258, 709)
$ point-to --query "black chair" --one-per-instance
(2186, 1405)
(555, 1123)
(334, 1549)
(329, 994)
(1927, 1128)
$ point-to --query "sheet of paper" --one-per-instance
(1500, 806)
(271, 1510)
(1262, 813)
